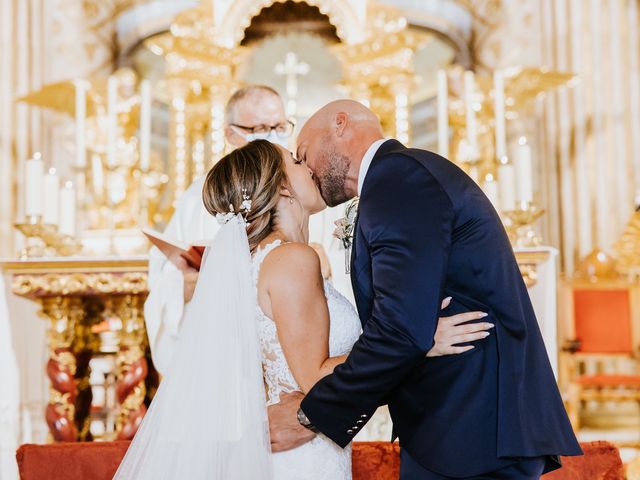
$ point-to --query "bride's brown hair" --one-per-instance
(257, 167)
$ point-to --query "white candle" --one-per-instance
(507, 186)
(524, 171)
(443, 114)
(97, 174)
(490, 188)
(112, 120)
(81, 114)
(472, 129)
(145, 124)
(501, 135)
(51, 192)
(68, 210)
(33, 178)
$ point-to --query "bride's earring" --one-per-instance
(291, 200)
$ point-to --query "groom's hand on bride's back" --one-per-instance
(284, 428)
(451, 332)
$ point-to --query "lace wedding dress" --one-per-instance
(320, 459)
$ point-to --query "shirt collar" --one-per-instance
(366, 162)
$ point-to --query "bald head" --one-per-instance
(359, 115)
(333, 142)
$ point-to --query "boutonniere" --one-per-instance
(344, 231)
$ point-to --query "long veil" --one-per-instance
(208, 419)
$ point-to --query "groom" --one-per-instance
(426, 231)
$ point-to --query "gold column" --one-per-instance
(63, 313)
(400, 88)
(218, 100)
(178, 145)
(359, 90)
(198, 154)
(132, 364)
(379, 70)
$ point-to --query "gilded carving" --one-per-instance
(528, 262)
(132, 364)
(343, 15)
(74, 296)
(627, 248)
(79, 283)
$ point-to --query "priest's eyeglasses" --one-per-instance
(261, 132)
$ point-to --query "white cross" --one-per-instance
(291, 68)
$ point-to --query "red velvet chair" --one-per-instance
(600, 360)
(371, 461)
(70, 461)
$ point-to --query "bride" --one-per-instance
(261, 324)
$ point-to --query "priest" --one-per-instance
(253, 112)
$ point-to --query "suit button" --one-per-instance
(359, 422)
(349, 432)
(363, 416)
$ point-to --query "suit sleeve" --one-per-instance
(406, 219)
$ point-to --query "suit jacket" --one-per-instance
(425, 231)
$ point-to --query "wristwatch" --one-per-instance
(305, 422)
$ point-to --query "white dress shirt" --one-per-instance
(366, 162)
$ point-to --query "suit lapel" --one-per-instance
(387, 147)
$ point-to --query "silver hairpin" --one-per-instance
(242, 214)
(246, 201)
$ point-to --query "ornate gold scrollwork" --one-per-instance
(528, 262)
(132, 364)
(79, 283)
(72, 295)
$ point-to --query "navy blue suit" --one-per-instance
(426, 231)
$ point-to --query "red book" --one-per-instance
(170, 247)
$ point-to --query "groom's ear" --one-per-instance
(341, 123)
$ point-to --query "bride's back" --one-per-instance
(274, 266)
(338, 325)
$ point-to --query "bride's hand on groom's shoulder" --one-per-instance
(284, 429)
(451, 332)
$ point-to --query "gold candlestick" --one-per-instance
(520, 226)
(43, 240)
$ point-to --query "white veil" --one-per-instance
(208, 419)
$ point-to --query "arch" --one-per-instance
(231, 20)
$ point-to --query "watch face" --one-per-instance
(302, 418)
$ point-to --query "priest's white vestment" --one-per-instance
(165, 304)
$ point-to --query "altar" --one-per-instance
(93, 309)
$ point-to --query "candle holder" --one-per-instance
(520, 225)
(43, 240)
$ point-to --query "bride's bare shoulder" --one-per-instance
(292, 262)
